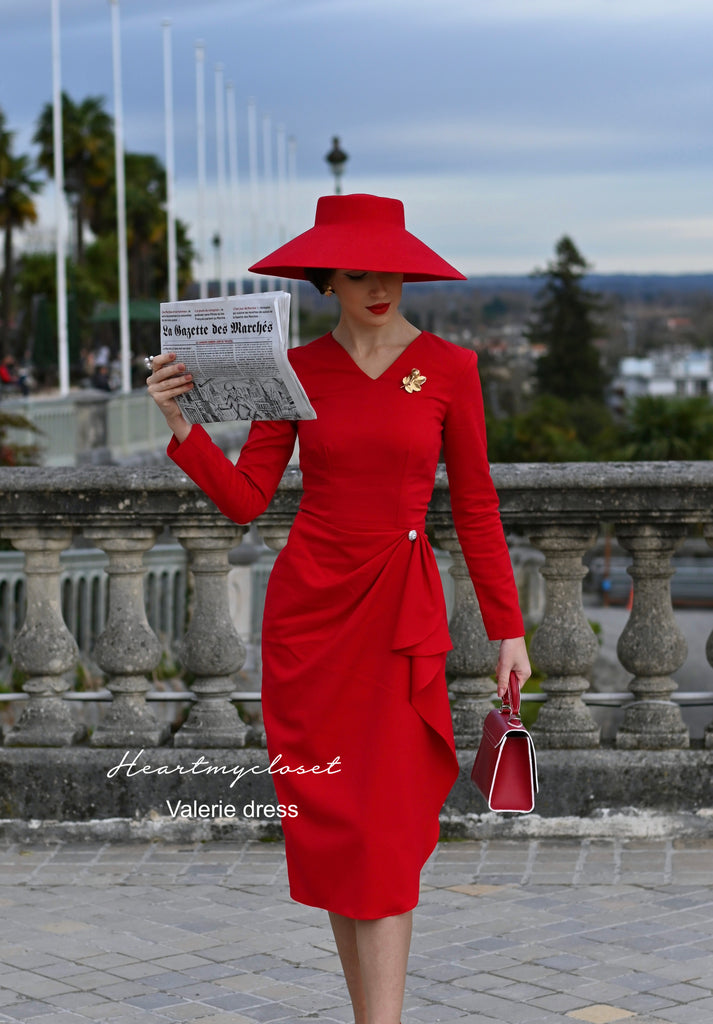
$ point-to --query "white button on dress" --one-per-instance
(412, 535)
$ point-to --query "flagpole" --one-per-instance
(170, 163)
(281, 184)
(252, 164)
(234, 186)
(124, 329)
(269, 203)
(200, 136)
(294, 285)
(281, 204)
(61, 229)
(220, 163)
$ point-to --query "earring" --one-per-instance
(328, 290)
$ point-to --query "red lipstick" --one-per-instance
(380, 308)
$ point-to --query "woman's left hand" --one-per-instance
(513, 658)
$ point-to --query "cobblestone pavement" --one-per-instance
(511, 931)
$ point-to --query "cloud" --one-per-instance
(526, 147)
(504, 122)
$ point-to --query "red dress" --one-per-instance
(354, 631)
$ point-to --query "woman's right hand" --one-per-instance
(169, 379)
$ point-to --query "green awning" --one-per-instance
(146, 310)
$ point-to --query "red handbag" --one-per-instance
(505, 769)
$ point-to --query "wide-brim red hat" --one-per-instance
(358, 232)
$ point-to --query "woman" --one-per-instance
(354, 631)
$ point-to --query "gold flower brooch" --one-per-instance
(413, 382)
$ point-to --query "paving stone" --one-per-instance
(27, 1009)
(600, 1014)
(520, 932)
(63, 1017)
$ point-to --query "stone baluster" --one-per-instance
(44, 648)
(472, 661)
(212, 650)
(275, 534)
(651, 646)
(564, 646)
(708, 736)
(127, 648)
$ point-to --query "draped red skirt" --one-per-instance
(354, 645)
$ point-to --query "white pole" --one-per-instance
(269, 204)
(220, 162)
(252, 164)
(281, 184)
(125, 340)
(294, 285)
(281, 210)
(170, 162)
(234, 187)
(61, 229)
(200, 134)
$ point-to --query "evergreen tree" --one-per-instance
(565, 323)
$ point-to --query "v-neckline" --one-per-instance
(391, 365)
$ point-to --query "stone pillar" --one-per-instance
(275, 534)
(564, 646)
(212, 650)
(472, 661)
(708, 736)
(651, 646)
(92, 409)
(44, 647)
(128, 648)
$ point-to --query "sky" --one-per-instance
(502, 124)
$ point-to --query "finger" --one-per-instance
(162, 359)
(160, 365)
(503, 678)
(166, 392)
(166, 368)
(168, 375)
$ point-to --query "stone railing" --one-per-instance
(97, 428)
(650, 508)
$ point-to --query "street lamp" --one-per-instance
(217, 242)
(337, 159)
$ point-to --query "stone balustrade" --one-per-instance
(649, 507)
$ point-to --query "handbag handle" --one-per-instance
(511, 700)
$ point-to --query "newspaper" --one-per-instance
(236, 350)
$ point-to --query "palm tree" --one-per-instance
(88, 144)
(146, 231)
(17, 208)
(663, 428)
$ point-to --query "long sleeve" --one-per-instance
(242, 491)
(474, 502)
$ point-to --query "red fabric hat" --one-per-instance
(358, 232)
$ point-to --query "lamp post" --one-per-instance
(217, 243)
(337, 159)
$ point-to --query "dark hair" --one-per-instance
(319, 277)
